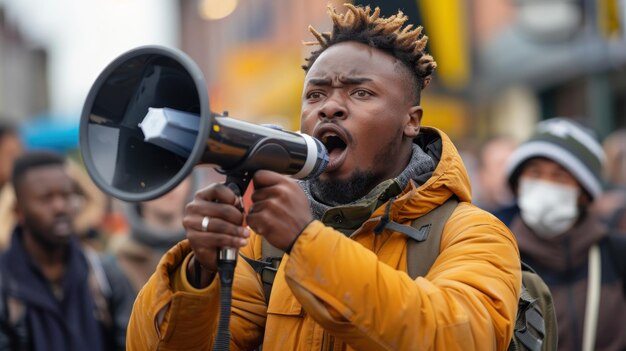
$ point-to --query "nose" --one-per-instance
(61, 204)
(332, 108)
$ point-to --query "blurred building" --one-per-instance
(503, 64)
(567, 57)
(251, 52)
(507, 64)
(51, 52)
(23, 81)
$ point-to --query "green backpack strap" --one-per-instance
(419, 257)
(273, 256)
(535, 326)
(267, 266)
(422, 254)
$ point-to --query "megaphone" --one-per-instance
(147, 122)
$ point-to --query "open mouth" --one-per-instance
(336, 145)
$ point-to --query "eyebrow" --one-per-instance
(346, 81)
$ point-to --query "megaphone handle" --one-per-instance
(226, 269)
(238, 184)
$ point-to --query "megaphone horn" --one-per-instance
(146, 123)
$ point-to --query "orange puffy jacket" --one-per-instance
(338, 293)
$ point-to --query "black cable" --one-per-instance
(226, 271)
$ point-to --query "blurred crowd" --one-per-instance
(115, 246)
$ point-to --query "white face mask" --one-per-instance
(549, 209)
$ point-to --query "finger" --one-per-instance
(200, 208)
(257, 207)
(264, 178)
(258, 215)
(217, 192)
(215, 225)
(213, 241)
(280, 186)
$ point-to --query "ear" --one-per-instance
(412, 127)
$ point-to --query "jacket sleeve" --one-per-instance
(467, 301)
(170, 314)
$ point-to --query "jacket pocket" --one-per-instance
(282, 301)
(286, 328)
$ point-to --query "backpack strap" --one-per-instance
(421, 254)
(535, 323)
(267, 266)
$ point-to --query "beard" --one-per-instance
(360, 183)
(341, 192)
(44, 235)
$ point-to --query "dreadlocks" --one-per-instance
(361, 25)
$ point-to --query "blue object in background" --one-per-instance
(50, 132)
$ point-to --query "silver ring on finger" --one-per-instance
(205, 223)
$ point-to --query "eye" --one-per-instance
(362, 93)
(563, 176)
(314, 95)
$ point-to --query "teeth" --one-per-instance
(327, 135)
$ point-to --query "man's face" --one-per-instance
(550, 171)
(492, 175)
(360, 103)
(44, 206)
(166, 212)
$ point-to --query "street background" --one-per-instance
(503, 64)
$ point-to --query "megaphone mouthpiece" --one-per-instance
(171, 129)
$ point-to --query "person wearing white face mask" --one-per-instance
(548, 206)
(555, 176)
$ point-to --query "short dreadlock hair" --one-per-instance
(362, 25)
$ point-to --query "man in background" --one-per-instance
(53, 294)
(492, 192)
(556, 176)
(611, 206)
(154, 227)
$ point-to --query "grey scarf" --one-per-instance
(419, 165)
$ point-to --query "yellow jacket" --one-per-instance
(338, 293)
